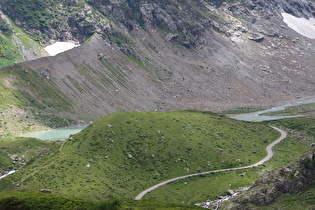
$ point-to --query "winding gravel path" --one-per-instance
(268, 157)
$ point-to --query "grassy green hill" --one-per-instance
(121, 154)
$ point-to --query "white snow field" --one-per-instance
(59, 47)
(303, 26)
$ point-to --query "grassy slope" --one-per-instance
(302, 127)
(211, 186)
(128, 152)
(301, 135)
(217, 184)
(24, 148)
(39, 201)
(23, 111)
(8, 53)
(14, 43)
(305, 109)
(241, 110)
(303, 200)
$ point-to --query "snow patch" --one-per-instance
(59, 47)
(303, 26)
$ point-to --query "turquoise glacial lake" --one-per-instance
(55, 134)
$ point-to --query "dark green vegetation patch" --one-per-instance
(39, 201)
(122, 154)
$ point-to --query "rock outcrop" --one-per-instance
(293, 178)
(55, 20)
(74, 20)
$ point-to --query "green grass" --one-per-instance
(300, 201)
(39, 201)
(8, 52)
(301, 136)
(296, 144)
(24, 148)
(113, 174)
(305, 109)
(25, 110)
(46, 92)
(240, 110)
(218, 184)
(145, 204)
(202, 188)
(122, 154)
(11, 43)
(301, 127)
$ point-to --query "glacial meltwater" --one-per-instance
(55, 134)
(258, 116)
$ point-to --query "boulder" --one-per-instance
(171, 37)
(230, 192)
(45, 191)
(257, 38)
(14, 157)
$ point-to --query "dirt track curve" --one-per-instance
(268, 157)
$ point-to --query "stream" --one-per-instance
(10, 172)
(258, 116)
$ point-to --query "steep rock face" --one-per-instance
(77, 20)
(54, 20)
(299, 8)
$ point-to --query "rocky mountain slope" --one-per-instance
(162, 55)
(16, 46)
